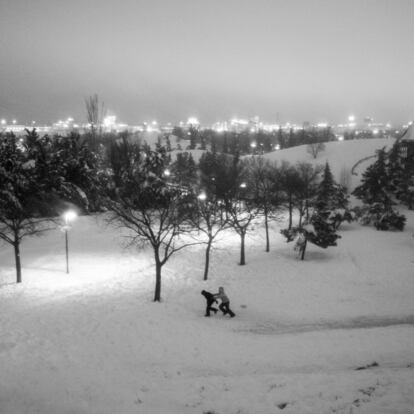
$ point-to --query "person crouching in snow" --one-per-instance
(210, 300)
(225, 302)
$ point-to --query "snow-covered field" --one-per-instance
(94, 342)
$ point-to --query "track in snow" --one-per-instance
(273, 328)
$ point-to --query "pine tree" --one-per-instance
(332, 198)
(375, 183)
(376, 193)
(401, 175)
(37, 176)
(184, 169)
(318, 230)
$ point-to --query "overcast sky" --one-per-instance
(284, 60)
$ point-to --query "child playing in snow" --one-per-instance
(225, 302)
(210, 300)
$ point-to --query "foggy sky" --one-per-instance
(309, 60)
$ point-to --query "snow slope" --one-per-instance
(94, 342)
(339, 154)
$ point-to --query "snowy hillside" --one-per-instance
(331, 334)
(339, 154)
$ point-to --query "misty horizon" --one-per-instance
(296, 61)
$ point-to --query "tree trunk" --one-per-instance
(158, 266)
(290, 211)
(267, 232)
(18, 263)
(242, 255)
(302, 257)
(207, 262)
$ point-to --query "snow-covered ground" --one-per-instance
(94, 342)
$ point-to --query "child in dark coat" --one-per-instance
(210, 300)
(225, 303)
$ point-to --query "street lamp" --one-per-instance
(68, 217)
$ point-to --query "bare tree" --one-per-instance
(264, 181)
(210, 219)
(305, 190)
(95, 113)
(290, 182)
(241, 206)
(345, 178)
(315, 148)
(152, 209)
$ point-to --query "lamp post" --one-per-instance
(68, 216)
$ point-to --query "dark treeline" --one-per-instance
(247, 142)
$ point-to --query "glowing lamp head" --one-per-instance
(243, 185)
(202, 196)
(167, 172)
(69, 216)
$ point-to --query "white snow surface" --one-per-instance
(340, 154)
(93, 341)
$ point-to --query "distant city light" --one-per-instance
(3, 122)
(253, 145)
(14, 122)
(375, 131)
(351, 118)
(109, 121)
(192, 121)
(236, 121)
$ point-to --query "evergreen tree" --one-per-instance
(332, 198)
(376, 193)
(375, 182)
(401, 175)
(37, 176)
(318, 230)
(184, 170)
